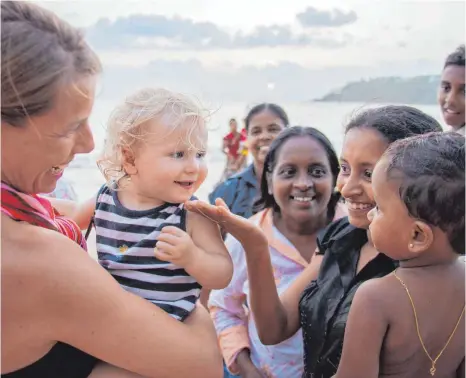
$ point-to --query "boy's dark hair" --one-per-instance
(273, 108)
(431, 171)
(456, 58)
(395, 122)
(267, 200)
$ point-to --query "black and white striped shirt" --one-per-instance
(125, 248)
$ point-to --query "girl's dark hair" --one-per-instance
(431, 169)
(456, 58)
(273, 108)
(395, 122)
(267, 200)
(232, 120)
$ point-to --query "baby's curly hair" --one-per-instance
(431, 169)
(128, 125)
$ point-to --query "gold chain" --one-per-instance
(434, 361)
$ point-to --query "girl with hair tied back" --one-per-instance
(61, 312)
(411, 323)
(263, 123)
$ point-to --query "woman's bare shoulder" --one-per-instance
(38, 257)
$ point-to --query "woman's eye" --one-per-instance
(344, 169)
(287, 172)
(318, 172)
(368, 174)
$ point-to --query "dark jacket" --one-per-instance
(239, 192)
(325, 303)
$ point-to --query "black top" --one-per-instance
(62, 361)
(239, 192)
(325, 303)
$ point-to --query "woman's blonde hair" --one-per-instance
(127, 125)
(40, 53)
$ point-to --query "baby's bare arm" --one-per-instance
(364, 334)
(212, 266)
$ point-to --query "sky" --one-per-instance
(287, 50)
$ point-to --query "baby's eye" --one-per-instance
(201, 154)
(178, 155)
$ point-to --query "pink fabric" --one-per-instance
(38, 211)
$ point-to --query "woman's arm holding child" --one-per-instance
(200, 251)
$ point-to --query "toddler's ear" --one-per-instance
(128, 160)
(422, 237)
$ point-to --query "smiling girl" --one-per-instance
(411, 323)
(297, 200)
(263, 123)
(451, 91)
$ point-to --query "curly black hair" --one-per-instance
(431, 169)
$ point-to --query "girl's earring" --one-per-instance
(411, 245)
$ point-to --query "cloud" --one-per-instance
(314, 18)
(158, 31)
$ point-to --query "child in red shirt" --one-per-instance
(231, 147)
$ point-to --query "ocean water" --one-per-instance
(330, 118)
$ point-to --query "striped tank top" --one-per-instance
(125, 248)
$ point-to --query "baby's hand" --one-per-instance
(176, 246)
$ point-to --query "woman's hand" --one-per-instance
(243, 230)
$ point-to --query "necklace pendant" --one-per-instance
(433, 370)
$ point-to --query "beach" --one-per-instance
(330, 118)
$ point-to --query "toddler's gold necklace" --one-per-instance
(434, 361)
